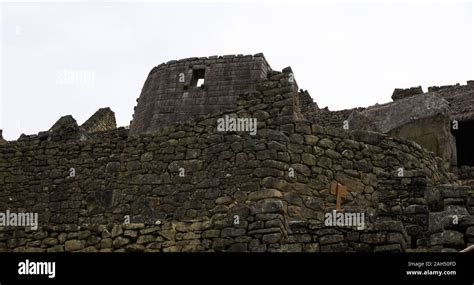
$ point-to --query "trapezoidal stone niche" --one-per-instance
(181, 90)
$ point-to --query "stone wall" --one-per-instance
(399, 93)
(102, 120)
(450, 217)
(306, 102)
(170, 93)
(433, 134)
(203, 236)
(460, 98)
(2, 140)
(329, 119)
(189, 187)
(466, 172)
(424, 118)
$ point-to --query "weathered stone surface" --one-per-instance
(120, 242)
(447, 238)
(271, 206)
(423, 118)
(326, 143)
(330, 239)
(103, 120)
(358, 121)
(396, 238)
(388, 248)
(470, 231)
(50, 241)
(65, 124)
(116, 231)
(399, 93)
(73, 245)
(106, 243)
(309, 159)
(272, 238)
(336, 247)
(373, 238)
(265, 193)
(232, 232)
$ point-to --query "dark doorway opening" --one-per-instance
(465, 143)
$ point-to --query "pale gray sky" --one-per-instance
(344, 54)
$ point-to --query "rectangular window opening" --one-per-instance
(198, 77)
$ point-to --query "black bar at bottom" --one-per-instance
(243, 266)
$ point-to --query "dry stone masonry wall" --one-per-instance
(188, 186)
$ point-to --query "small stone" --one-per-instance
(134, 226)
(388, 248)
(106, 243)
(347, 153)
(105, 234)
(112, 167)
(363, 165)
(223, 200)
(326, 143)
(83, 234)
(92, 240)
(336, 247)
(309, 159)
(265, 193)
(396, 238)
(130, 233)
(238, 247)
(144, 239)
(116, 231)
(332, 154)
(73, 245)
(272, 238)
(50, 241)
(90, 249)
(448, 238)
(311, 247)
(311, 140)
(296, 138)
(271, 206)
(149, 230)
(62, 238)
(232, 232)
(56, 248)
(120, 242)
(211, 234)
(295, 247)
(324, 162)
(470, 232)
(135, 248)
(416, 209)
(373, 238)
(328, 239)
(393, 226)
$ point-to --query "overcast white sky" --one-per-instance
(344, 54)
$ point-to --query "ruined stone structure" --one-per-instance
(186, 186)
(441, 120)
(181, 90)
(102, 120)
